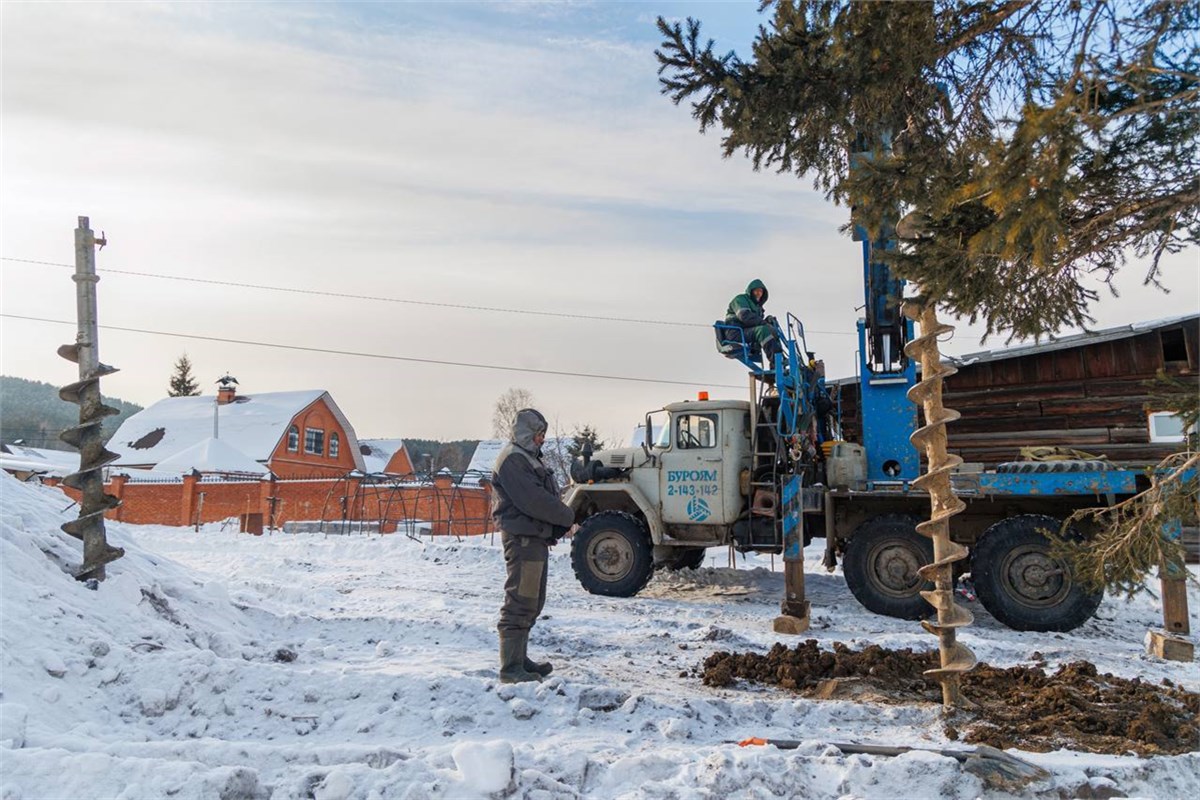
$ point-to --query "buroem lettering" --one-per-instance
(691, 475)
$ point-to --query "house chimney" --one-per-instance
(226, 391)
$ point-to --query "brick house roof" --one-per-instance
(254, 424)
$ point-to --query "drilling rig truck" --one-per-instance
(769, 473)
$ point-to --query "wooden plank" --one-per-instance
(1191, 336)
(1105, 421)
(1170, 648)
(982, 424)
(1005, 394)
(1129, 386)
(1130, 404)
(1098, 361)
(1175, 606)
(1124, 358)
(1044, 436)
(1068, 365)
(1129, 435)
(1147, 352)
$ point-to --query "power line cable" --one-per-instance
(404, 301)
(384, 356)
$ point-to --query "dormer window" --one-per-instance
(293, 439)
(334, 445)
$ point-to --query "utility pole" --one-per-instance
(86, 436)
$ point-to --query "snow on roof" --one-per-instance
(19, 458)
(554, 454)
(211, 455)
(376, 453)
(254, 424)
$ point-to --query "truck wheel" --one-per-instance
(611, 554)
(881, 562)
(1022, 585)
(686, 558)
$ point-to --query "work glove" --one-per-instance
(557, 533)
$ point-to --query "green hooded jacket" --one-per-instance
(743, 310)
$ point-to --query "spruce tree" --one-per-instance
(183, 383)
(1030, 143)
(582, 435)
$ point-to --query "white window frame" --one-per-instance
(320, 436)
(293, 439)
(335, 445)
(1163, 438)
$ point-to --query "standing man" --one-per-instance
(531, 518)
(747, 309)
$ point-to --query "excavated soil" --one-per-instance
(1021, 707)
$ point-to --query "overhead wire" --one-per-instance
(376, 298)
(384, 356)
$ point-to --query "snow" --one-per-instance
(214, 664)
(58, 463)
(211, 455)
(255, 424)
(376, 453)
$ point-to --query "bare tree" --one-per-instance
(504, 413)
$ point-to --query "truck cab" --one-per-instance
(661, 504)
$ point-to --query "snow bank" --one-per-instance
(213, 664)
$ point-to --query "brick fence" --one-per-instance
(449, 508)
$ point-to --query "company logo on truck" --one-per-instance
(698, 510)
(677, 475)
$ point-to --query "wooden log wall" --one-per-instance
(1091, 397)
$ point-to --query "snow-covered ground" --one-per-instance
(221, 665)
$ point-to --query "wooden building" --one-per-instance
(1087, 391)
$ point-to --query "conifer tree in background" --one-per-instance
(183, 383)
(582, 435)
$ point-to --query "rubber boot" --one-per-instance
(512, 658)
(542, 668)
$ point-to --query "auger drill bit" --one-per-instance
(93, 455)
(955, 658)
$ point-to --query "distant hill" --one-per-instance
(33, 412)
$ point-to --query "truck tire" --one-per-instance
(686, 558)
(1040, 467)
(611, 554)
(881, 562)
(1022, 585)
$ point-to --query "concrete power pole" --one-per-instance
(86, 436)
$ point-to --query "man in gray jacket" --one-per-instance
(531, 518)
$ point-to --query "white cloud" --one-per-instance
(529, 168)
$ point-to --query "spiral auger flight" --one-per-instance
(86, 436)
(944, 504)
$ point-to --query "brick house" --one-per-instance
(386, 456)
(299, 434)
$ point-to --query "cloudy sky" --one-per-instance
(505, 156)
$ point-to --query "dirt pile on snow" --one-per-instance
(1021, 706)
(1027, 708)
